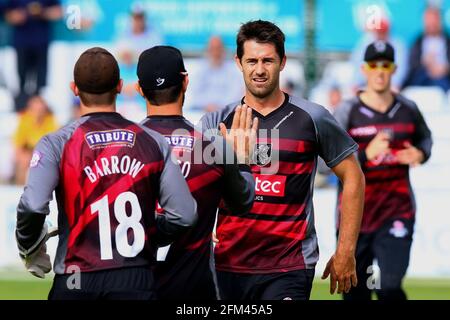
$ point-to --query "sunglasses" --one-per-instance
(384, 65)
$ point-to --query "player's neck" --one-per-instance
(380, 101)
(170, 109)
(84, 110)
(267, 104)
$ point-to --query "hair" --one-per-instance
(262, 32)
(91, 99)
(163, 96)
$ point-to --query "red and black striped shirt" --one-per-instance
(389, 194)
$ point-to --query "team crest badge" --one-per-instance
(37, 156)
(398, 229)
(263, 154)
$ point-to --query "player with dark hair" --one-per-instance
(392, 136)
(187, 270)
(271, 252)
(107, 173)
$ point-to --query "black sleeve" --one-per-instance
(28, 228)
(239, 184)
(239, 188)
(422, 138)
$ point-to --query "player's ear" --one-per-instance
(119, 86)
(185, 82)
(363, 70)
(283, 63)
(74, 88)
(138, 89)
(238, 62)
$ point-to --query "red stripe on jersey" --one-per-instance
(204, 179)
(287, 168)
(70, 175)
(123, 184)
(400, 186)
(198, 244)
(289, 144)
(289, 230)
(276, 209)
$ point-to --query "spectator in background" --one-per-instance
(36, 121)
(31, 23)
(325, 176)
(217, 80)
(2, 38)
(334, 98)
(137, 38)
(430, 55)
(381, 32)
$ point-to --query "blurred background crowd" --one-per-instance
(40, 40)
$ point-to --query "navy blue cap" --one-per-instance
(160, 67)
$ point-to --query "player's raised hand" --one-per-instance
(378, 146)
(242, 135)
(342, 271)
(410, 155)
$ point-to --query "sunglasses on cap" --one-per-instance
(384, 65)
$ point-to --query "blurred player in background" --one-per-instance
(31, 22)
(392, 136)
(108, 173)
(383, 32)
(187, 272)
(271, 252)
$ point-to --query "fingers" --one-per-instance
(326, 272)
(223, 129)
(255, 125)
(243, 117)
(333, 280)
(248, 122)
(214, 238)
(341, 284)
(407, 144)
(382, 136)
(347, 284)
(405, 156)
(254, 132)
(236, 118)
(354, 280)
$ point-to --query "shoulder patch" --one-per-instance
(37, 156)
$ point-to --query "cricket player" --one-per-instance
(271, 252)
(392, 136)
(187, 270)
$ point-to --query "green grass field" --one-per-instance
(21, 286)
